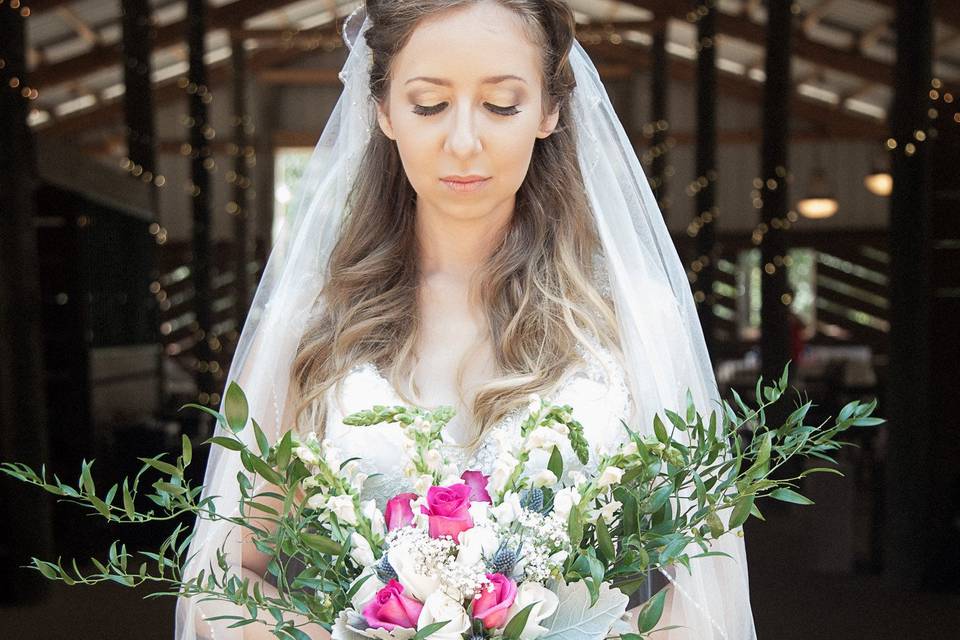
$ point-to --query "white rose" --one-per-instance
(343, 507)
(367, 590)
(375, 516)
(439, 606)
(558, 557)
(544, 478)
(563, 502)
(360, 550)
(477, 543)
(544, 602)
(609, 477)
(402, 561)
(508, 510)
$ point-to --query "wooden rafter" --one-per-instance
(79, 26)
(814, 15)
(742, 28)
(228, 16)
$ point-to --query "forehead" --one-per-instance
(467, 46)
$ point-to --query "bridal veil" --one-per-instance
(661, 337)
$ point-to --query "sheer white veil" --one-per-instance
(662, 341)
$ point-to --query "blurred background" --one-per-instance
(805, 155)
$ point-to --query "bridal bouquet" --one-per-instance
(532, 550)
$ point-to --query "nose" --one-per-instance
(463, 140)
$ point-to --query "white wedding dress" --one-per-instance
(599, 401)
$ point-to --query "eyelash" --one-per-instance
(435, 109)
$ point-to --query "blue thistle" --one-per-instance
(532, 499)
(384, 570)
(503, 561)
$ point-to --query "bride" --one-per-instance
(473, 227)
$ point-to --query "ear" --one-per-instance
(548, 124)
(384, 120)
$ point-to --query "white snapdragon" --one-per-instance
(332, 455)
(502, 471)
(433, 459)
(370, 511)
(310, 482)
(357, 481)
(543, 438)
(607, 511)
(544, 478)
(629, 448)
(361, 551)
(577, 478)
(609, 476)
(508, 510)
(535, 403)
(317, 501)
(422, 483)
(307, 455)
(343, 508)
(563, 502)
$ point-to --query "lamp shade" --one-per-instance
(819, 201)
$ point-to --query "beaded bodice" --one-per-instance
(599, 400)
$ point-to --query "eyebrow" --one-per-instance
(447, 83)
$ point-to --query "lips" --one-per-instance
(465, 184)
(464, 179)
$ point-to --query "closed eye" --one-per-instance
(435, 109)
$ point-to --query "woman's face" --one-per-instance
(465, 101)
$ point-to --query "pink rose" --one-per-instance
(398, 512)
(448, 509)
(478, 486)
(390, 609)
(492, 606)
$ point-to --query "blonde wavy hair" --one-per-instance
(538, 287)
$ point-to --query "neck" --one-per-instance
(456, 246)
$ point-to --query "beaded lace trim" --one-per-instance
(390, 482)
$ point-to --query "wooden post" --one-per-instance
(27, 529)
(774, 314)
(138, 37)
(202, 164)
(242, 126)
(706, 197)
(659, 119)
(909, 556)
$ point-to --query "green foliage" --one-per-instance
(693, 480)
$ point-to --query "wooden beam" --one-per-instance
(845, 61)
(78, 25)
(947, 11)
(833, 120)
(224, 17)
(169, 90)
